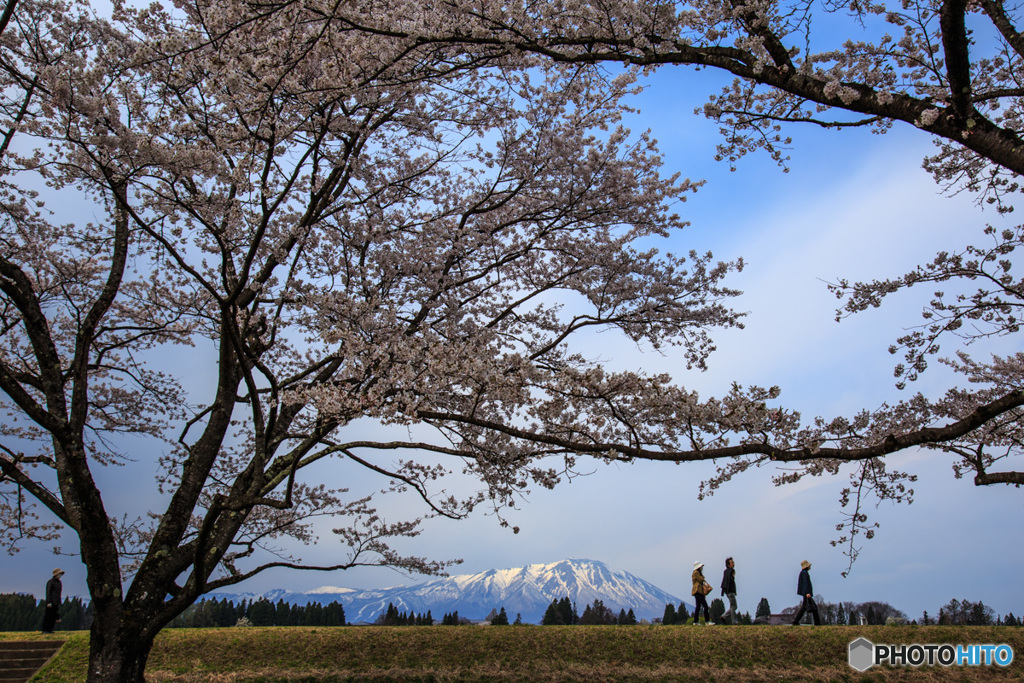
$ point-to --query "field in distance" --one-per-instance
(552, 654)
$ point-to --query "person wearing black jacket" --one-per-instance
(53, 590)
(729, 589)
(805, 590)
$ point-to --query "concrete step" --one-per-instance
(21, 659)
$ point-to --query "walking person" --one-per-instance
(805, 590)
(729, 589)
(700, 588)
(53, 590)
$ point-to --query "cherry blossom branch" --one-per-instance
(11, 471)
(891, 443)
(1001, 20)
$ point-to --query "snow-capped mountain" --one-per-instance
(526, 591)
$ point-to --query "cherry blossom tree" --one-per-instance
(344, 230)
(407, 214)
(948, 67)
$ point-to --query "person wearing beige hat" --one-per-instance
(700, 588)
(53, 590)
(806, 591)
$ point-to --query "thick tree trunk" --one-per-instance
(117, 654)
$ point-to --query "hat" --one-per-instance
(58, 572)
(805, 564)
(698, 564)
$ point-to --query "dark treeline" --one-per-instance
(561, 613)
(675, 616)
(392, 617)
(967, 613)
(955, 613)
(875, 613)
(681, 615)
(599, 615)
(211, 613)
(21, 612)
(495, 618)
(564, 613)
(872, 613)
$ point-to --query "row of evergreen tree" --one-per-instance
(967, 613)
(681, 615)
(564, 613)
(872, 613)
(262, 612)
(876, 613)
(453, 619)
(392, 617)
(21, 612)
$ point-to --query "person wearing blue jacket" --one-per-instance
(806, 591)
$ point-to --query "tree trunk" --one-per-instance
(117, 654)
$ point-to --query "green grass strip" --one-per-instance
(534, 653)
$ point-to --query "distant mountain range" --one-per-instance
(526, 591)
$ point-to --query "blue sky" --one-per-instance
(853, 205)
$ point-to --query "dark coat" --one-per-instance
(729, 581)
(53, 589)
(803, 586)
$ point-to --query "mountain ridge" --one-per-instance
(526, 591)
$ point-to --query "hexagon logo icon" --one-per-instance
(862, 654)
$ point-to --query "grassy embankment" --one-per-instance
(543, 654)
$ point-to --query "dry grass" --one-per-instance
(538, 654)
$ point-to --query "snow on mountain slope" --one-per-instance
(526, 591)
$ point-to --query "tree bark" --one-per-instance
(117, 652)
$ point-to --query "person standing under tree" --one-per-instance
(729, 589)
(806, 591)
(700, 589)
(53, 590)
